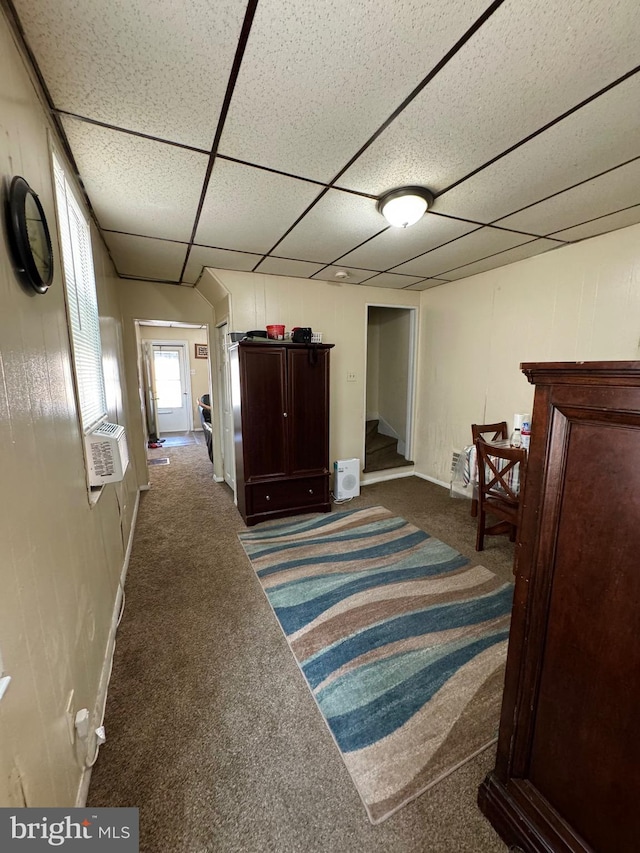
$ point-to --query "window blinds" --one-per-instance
(82, 302)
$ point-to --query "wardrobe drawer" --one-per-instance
(287, 494)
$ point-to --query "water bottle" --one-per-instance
(516, 438)
(525, 434)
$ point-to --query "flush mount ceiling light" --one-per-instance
(404, 206)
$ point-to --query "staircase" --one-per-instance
(381, 451)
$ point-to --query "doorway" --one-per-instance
(391, 337)
(173, 388)
(170, 407)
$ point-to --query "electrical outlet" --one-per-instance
(351, 376)
(70, 717)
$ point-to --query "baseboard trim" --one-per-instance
(105, 675)
(433, 480)
(145, 488)
(382, 478)
(218, 479)
(127, 556)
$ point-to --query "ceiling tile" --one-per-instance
(137, 185)
(389, 279)
(250, 209)
(599, 136)
(159, 68)
(396, 245)
(621, 219)
(337, 223)
(145, 256)
(285, 266)
(464, 118)
(535, 247)
(204, 256)
(355, 276)
(305, 86)
(606, 194)
(465, 250)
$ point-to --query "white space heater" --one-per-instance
(107, 454)
(346, 479)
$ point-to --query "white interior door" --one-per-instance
(173, 397)
(228, 454)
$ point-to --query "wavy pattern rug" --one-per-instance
(402, 643)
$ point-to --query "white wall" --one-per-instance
(337, 310)
(61, 558)
(373, 367)
(394, 338)
(579, 302)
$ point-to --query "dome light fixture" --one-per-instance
(404, 206)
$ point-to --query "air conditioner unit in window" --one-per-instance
(107, 454)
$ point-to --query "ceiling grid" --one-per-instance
(258, 135)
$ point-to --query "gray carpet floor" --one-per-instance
(212, 731)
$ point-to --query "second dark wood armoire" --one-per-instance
(567, 775)
(280, 397)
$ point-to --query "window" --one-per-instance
(168, 379)
(82, 302)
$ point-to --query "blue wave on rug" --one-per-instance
(402, 643)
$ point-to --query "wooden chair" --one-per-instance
(501, 478)
(489, 432)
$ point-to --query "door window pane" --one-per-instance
(168, 384)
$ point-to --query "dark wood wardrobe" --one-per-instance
(281, 428)
(567, 774)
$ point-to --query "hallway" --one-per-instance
(211, 729)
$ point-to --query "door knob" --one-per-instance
(284, 414)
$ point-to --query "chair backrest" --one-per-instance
(490, 432)
(205, 414)
(501, 473)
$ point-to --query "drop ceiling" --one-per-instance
(257, 136)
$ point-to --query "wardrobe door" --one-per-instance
(577, 753)
(568, 750)
(264, 432)
(587, 705)
(308, 391)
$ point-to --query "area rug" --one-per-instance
(401, 640)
